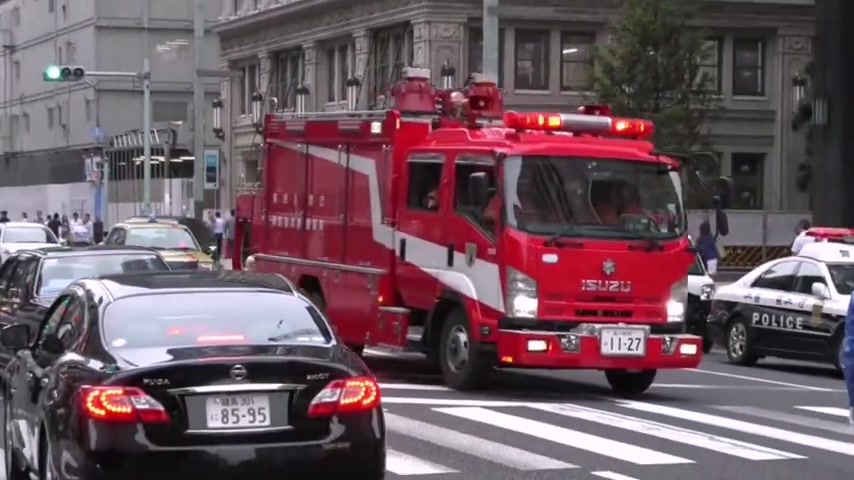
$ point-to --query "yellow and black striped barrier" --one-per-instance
(751, 256)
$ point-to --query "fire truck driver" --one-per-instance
(611, 199)
(431, 200)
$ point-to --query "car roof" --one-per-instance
(60, 251)
(23, 224)
(148, 224)
(828, 252)
(127, 285)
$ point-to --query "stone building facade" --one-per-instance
(756, 48)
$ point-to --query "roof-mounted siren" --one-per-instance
(414, 94)
(485, 99)
(581, 124)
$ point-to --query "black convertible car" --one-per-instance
(188, 375)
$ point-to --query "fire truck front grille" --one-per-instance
(604, 313)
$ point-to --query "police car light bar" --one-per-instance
(581, 123)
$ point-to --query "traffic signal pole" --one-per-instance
(198, 111)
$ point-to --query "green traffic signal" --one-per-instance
(56, 73)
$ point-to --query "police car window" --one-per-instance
(808, 273)
(780, 276)
(842, 276)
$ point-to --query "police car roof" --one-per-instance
(22, 224)
(828, 252)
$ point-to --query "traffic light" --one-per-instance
(64, 73)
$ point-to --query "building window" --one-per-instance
(235, 6)
(16, 17)
(169, 111)
(247, 85)
(576, 56)
(339, 71)
(59, 59)
(51, 6)
(26, 119)
(747, 179)
(748, 67)
(476, 53)
(51, 119)
(288, 74)
(71, 52)
(90, 109)
(392, 51)
(532, 60)
(16, 69)
(709, 65)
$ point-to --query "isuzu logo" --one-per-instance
(609, 267)
(611, 286)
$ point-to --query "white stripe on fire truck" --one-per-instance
(564, 436)
(480, 281)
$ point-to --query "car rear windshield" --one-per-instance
(58, 273)
(34, 234)
(213, 318)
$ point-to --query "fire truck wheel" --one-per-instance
(630, 384)
(739, 349)
(463, 367)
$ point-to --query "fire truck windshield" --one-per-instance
(583, 197)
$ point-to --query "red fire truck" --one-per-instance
(484, 238)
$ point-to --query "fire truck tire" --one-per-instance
(463, 367)
(630, 384)
(739, 344)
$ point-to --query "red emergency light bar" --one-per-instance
(581, 123)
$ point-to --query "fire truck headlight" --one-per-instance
(707, 292)
(678, 300)
(522, 300)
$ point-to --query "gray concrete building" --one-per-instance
(756, 46)
(45, 126)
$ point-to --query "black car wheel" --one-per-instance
(463, 367)
(739, 346)
(13, 466)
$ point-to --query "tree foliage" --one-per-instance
(652, 68)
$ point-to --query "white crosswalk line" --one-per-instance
(613, 476)
(812, 441)
(685, 436)
(402, 464)
(835, 411)
(494, 452)
(806, 421)
(564, 436)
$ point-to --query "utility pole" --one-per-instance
(198, 110)
(490, 39)
(146, 116)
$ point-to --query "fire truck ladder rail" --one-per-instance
(351, 115)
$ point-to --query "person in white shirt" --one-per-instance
(219, 233)
(801, 239)
(80, 235)
(75, 219)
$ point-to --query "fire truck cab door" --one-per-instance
(420, 238)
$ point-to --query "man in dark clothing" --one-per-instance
(4, 217)
(54, 224)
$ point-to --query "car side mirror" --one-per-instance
(820, 291)
(478, 188)
(16, 337)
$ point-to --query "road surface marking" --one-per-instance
(564, 436)
(613, 476)
(835, 411)
(414, 386)
(492, 451)
(695, 386)
(812, 441)
(403, 464)
(799, 420)
(726, 446)
(452, 402)
(760, 380)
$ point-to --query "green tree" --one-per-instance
(653, 68)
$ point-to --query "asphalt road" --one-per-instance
(780, 420)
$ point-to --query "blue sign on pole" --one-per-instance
(211, 169)
(98, 134)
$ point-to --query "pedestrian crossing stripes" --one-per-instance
(568, 436)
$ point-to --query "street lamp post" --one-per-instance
(257, 112)
(799, 90)
(217, 119)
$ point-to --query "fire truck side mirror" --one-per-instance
(478, 189)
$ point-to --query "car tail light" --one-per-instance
(353, 395)
(121, 405)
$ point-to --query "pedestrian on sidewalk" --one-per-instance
(708, 248)
(219, 234)
(4, 217)
(801, 237)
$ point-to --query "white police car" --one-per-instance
(792, 307)
(701, 287)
